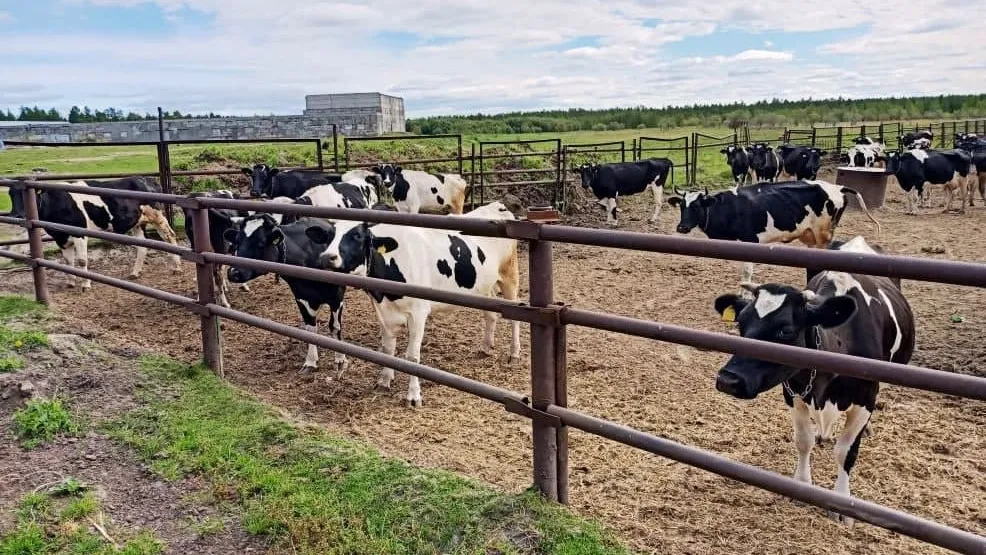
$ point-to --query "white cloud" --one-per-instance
(263, 56)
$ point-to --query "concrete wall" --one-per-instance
(351, 123)
(386, 112)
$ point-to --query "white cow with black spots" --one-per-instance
(445, 260)
(415, 190)
(853, 314)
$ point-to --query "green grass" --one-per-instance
(5, 205)
(41, 420)
(319, 494)
(13, 342)
(58, 522)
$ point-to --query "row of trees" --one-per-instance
(772, 113)
(88, 115)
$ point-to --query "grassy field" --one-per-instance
(108, 159)
(298, 488)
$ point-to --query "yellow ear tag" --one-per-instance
(382, 249)
(729, 315)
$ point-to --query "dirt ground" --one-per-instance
(924, 455)
(131, 497)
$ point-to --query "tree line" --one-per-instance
(764, 114)
(88, 115)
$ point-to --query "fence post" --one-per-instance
(690, 173)
(561, 400)
(558, 173)
(814, 133)
(838, 139)
(623, 151)
(941, 139)
(460, 154)
(472, 176)
(335, 147)
(543, 372)
(212, 351)
(633, 149)
(318, 155)
(37, 248)
(345, 149)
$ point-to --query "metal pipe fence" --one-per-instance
(546, 404)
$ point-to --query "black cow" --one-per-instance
(119, 215)
(952, 169)
(765, 163)
(976, 147)
(608, 181)
(806, 211)
(920, 139)
(802, 162)
(853, 314)
(272, 182)
(739, 163)
(220, 219)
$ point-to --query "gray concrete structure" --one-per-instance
(360, 114)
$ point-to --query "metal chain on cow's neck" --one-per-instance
(814, 371)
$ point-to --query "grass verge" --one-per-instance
(13, 342)
(319, 494)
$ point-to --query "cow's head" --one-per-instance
(891, 162)
(587, 172)
(694, 208)
(758, 154)
(262, 177)
(349, 247)
(778, 314)
(16, 193)
(813, 160)
(258, 237)
(862, 140)
(732, 152)
(388, 174)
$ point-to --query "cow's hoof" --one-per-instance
(244, 287)
(841, 519)
(485, 352)
(134, 275)
(341, 365)
(383, 384)
(87, 287)
(413, 403)
(613, 225)
(307, 370)
(177, 270)
(513, 359)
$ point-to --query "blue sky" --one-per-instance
(463, 56)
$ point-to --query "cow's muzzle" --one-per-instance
(734, 385)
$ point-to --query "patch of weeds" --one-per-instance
(33, 506)
(143, 544)
(208, 526)
(68, 486)
(80, 507)
(12, 306)
(320, 494)
(41, 420)
(205, 184)
(28, 539)
(10, 363)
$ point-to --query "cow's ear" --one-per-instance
(835, 311)
(273, 171)
(674, 201)
(398, 169)
(723, 151)
(729, 306)
(276, 236)
(230, 235)
(383, 245)
(247, 171)
(318, 235)
(377, 169)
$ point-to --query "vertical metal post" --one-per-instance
(460, 154)
(212, 352)
(941, 139)
(34, 235)
(838, 139)
(623, 151)
(561, 400)
(160, 124)
(318, 155)
(543, 372)
(482, 177)
(814, 132)
(346, 150)
(558, 173)
(335, 147)
(472, 176)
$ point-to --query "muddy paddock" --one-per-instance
(925, 454)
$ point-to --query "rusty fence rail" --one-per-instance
(546, 405)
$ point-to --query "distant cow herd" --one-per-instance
(776, 198)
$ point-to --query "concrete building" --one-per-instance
(356, 115)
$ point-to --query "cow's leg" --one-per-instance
(509, 287)
(335, 330)
(82, 259)
(245, 287)
(156, 218)
(804, 439)
(912, 201)
(827, 417)
(308, 315)
(611, 212)
(138, 232)
(415, 335)
(847, 450)
(746, 275)
(68, 253)
(222, 286)
(658, 199)
(949, 190)
(388, 344)
(489, 329)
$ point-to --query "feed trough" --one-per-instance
(870, 182)
(543, 214)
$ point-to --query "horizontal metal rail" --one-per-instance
(917, 377)
(76, 176)
(880, 515)
(114, 237)
(239, 171)
(81, 144)
(408, 162)
(97, 191)
(15, 242)
(492, 184)
(381, 138)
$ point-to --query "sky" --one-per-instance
(245, 57)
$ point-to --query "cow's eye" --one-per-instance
(785, 334)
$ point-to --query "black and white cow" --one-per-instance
(853, 314)
(274, 238)
(118, 215)
(220, 219)
(916, 139)
(272, 182)
(976, 147)
(765, 162)
(444, 260)
(609, 181)
(740, 167)
(801, 162)
(806, 211)
(866, 153)
(914, 168)
(414, 190)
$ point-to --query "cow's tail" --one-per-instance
(862, 205)
(664, 177)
